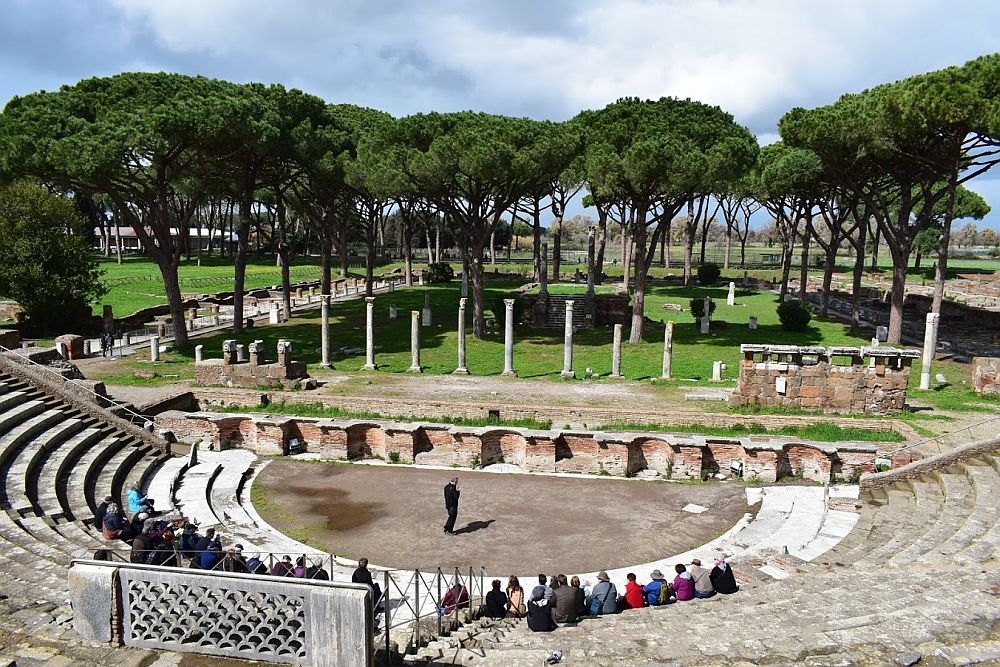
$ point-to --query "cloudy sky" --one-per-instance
(537, 58)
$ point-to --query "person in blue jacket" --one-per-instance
(136, 501)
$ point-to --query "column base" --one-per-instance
(460, 371)
(370, 367)
(616, 376)
(666, 377)
(569, 375)
(325, 364)
(512, 374)
(925, 381)
(414, 369)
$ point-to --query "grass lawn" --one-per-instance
(538, 352)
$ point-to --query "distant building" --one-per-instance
(131, 244)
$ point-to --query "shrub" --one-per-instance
(394, 457)
(697, 306)
(439, 272)
(709, 273)
(794, 315)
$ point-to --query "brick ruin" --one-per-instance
(986, 375)
(873, 380)
(255, 372)
(678, 457)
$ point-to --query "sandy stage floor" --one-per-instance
(509, 523)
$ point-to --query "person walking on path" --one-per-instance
(451, 494)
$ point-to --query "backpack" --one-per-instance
(664, 596)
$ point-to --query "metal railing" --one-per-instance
(103, 401)
(422, 596)
(938, 439)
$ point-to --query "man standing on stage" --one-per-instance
(451, 494)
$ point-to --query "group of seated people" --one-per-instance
(560, 600)
(176, 542)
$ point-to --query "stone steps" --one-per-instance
(52, 494)
(957, 493)
(18, 477)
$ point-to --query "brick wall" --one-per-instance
(621, 454)
(873, 380)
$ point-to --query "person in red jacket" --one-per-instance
(634, 598)
(683, 584)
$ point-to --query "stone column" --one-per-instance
(930, 347)
(590, 263)
(274, 317)
(427, 309)
(393, 312)
(616, 353)
(198, 353)
(369, 334)
(324, 332)
(465, 283)
(461, 370)
(415, 342)
(717, 368)
(241, 353)
(567, 371)
(154, 348)
(508, 338)
(543, 284)
(668, 350)
(707, 317)
(731, 298)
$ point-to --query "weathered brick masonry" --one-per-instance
(255, 372)
(986, 375)
(873, 381)
(671, 456)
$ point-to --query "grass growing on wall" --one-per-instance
(821, 432)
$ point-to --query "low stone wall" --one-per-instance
(986, 375)
(248, 617)
(930, 464)
(671, 456)
(599, 310)
(808, 377)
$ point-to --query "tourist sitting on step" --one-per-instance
(142, 546)
(683, 584)
(363, 576)
(722, 578)
(299, 571)
(658, 591)
(604, 598)
(496, 601)
(457, 597)
(206, 542)
(255, 565)
(549, 591)
(165, 553)
(189, 541)
(233, 561)
(515, 599)
(581, 597)
(316, 571)
(564, 603)
(703, 587)
(113, 525)
(211, 557)
(539, 612)
(634, 597)
(137, 502)
(101, 509)
(283, 568)
(135, 526)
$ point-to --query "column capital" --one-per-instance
(509, 303)
(370, 299)
(462, 302)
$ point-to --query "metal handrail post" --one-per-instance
(385, 613)
(438, 602)
(416, 598)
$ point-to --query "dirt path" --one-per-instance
(509, 523)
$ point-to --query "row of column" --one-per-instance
(508, 340)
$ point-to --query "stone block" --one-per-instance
(10, 338)
(72, 344)
(91, 590)
(985, 375)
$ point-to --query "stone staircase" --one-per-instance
(57, 462)
(555, 317)
(917, 579)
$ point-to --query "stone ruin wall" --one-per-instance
(874, 381)
(678, 457)
(231, 371)
(986, 375)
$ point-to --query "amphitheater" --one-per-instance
(899, 570)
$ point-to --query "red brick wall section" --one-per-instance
(673, 456)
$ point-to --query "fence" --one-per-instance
(273, 619)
